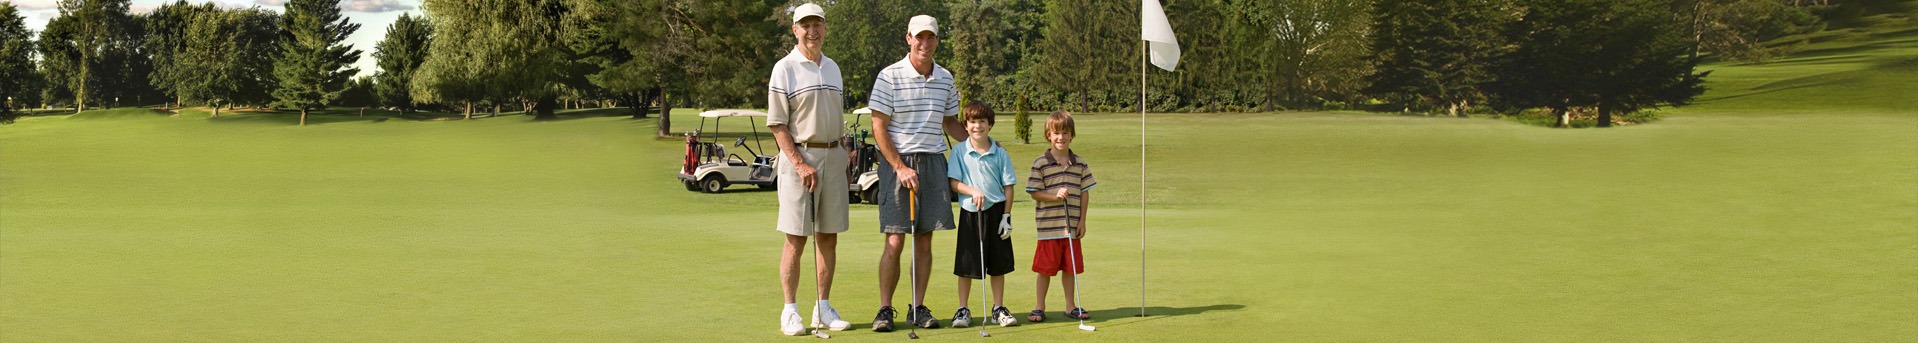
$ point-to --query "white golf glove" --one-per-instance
(1005, 227)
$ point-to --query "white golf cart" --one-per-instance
(863, 173)
(709, 167)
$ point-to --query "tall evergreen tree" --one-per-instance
(1087, 48)
(989, 40)
(19, 81)
(400, 56)
(1436, 52)
(313, 66)
(1615, 56)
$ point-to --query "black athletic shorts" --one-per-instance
(973, 226)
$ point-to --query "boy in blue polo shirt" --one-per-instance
(981, 172)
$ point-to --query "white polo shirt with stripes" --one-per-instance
(805, 96)
(918, 105)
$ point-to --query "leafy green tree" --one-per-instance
(400, 56)
(86, 31)
(313, 65)
(1436, 52)
(231, 55)
(865, 36)
(637, 53)
(1316, 52)
(166, 40)
(706, 53)
(19, 81)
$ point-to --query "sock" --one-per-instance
(792, 307)
(824, 304)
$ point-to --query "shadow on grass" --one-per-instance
(1056, 320)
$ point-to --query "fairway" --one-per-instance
(1774, 210)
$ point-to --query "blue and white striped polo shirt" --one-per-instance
(917, 104)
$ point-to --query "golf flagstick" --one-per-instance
(979, 227)
(912, 215)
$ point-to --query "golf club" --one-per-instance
(979, 227)
(812, 220)
(912, 215)
(1076, 281)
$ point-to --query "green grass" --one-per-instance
(1785, 215)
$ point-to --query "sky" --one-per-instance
(374, 16)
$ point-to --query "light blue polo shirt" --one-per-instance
(989, 171)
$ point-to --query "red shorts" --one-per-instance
(1050, 257)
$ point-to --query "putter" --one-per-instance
(1070, 248)
(812, 220)
(984, 291)
(912, 215)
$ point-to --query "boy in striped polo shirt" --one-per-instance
(1061, 183)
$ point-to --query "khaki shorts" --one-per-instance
(799, 215)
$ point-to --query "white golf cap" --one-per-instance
(922, 23)
(808, 10)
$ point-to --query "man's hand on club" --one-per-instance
(1005, 226)
(808, 176)
(907, 177)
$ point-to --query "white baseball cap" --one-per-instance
(922, 23)
(808, 10)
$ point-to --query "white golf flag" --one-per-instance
(1162, 46)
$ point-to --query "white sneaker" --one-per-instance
(828, 318)
(789, 323)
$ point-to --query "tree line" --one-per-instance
(1449, 57)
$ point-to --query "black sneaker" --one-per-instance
(883, 321)
(962, 318)
(922, 318)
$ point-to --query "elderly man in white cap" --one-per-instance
(914, 104)
(805, 106)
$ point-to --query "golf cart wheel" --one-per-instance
(854, 197)
(690, 185)
(773, 185)
(869, 197)
(712, 184)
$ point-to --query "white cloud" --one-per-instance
(270, 2)
(371, 6)
(35, 5)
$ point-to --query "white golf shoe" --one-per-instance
(824, 317)
(789, 323)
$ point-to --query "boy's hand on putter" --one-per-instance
(1061, 194)
(979, 202)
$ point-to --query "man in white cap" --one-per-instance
(804, 107)
(914, 104)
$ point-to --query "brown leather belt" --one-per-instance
(833, 145)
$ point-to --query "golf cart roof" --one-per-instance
(862, 110)
(731, 113)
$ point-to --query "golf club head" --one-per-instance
(983, 333)
(820, 333)
(913, 335)
(1087, 327)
